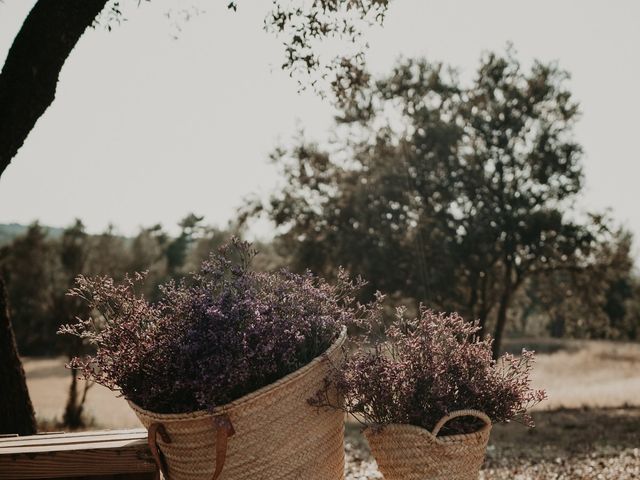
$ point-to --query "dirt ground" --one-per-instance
(588, 429)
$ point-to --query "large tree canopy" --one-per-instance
(446, 193)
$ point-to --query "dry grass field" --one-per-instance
(585, 373)
(49, 381)
(588, 429)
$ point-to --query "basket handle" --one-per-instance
(224, 430)
(460, 413)
(154, 429)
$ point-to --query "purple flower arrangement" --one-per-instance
(416, 370)
(215, 336)
(226, 331)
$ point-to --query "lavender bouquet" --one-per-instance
(415, 371)
(215, 336)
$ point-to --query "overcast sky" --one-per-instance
(146, 128)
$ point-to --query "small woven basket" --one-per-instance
(407, 452)
(272, 433)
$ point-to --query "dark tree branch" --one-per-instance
(30, 74)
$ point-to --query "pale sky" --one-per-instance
(146, 128)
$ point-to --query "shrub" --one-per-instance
(219, 334)
(422, 368)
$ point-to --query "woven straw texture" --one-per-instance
(278, 435)
(407, 452)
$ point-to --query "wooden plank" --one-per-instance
(69, 439)
(126, 476)
(67, 447)
(104, 456)
(93, 433)
(75, 463)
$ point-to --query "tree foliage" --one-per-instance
(447, 193)
(40, 268)
(598, 301)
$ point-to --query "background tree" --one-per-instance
(148, 255)
(598, 301)
(529, 170)
(73, 251)
(109, 254)
(28, 266)
(209, 240)
(178, 248)
(51, 30)
(449, 194)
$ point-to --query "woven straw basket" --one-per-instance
(407, 452)
(272, 433)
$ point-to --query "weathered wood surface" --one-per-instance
(100, 455)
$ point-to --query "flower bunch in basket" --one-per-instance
(428, 390)
(227, 357)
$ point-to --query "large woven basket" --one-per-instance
(407, 452)
(272, 433)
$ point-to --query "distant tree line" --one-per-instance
(462, 197)
(39, 268)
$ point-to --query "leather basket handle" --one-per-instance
(155, 429)
(224, 430)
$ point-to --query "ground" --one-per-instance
(588, 429)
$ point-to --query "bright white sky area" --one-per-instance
(146, 128)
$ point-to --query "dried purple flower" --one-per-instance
(422, 368)
(219, 334)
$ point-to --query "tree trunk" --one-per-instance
(473, 297)
(482, 321)
(484, 309)
(501, 321)
(503, 308)
(73, 413)
(30, 73)
(16, 410)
